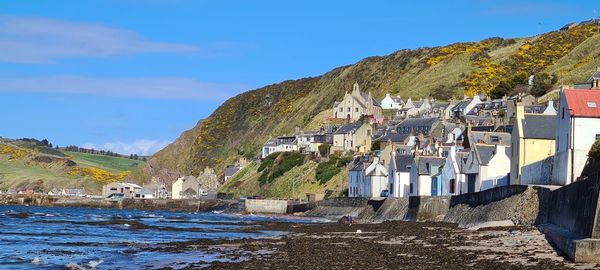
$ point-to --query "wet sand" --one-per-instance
(390, 245)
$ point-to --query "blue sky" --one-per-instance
(131, 75)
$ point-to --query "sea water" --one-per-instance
(87, 238)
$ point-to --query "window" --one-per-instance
(392, 188)
(349, 110)
(563, 113)
(591, 104)
(597, 136)
(341, 109)
(494, 139)
(411, 188)
(356, 109)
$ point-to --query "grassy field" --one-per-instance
(112, 164)
(27, 165)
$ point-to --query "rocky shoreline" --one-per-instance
(388, 245)
(138, 204)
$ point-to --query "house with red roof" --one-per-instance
(578, 127)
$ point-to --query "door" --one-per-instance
(471, 183)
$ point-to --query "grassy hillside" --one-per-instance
(293, 184)
(29, 165)
(243, 123)
(108, 163)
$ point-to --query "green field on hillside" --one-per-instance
(112, 164)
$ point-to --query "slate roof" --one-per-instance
(486, 152)
(418, 104)
(394, 137)
(596, 76)
(348, 128)
(361, 165)
(422, 162)
(539, 126)
(418, 122)
(486, 137)
(535, 109)
(397, 99)
(583, 103)
(403, 162)
(460, 106)
(230, 171)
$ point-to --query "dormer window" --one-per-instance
(591, 104)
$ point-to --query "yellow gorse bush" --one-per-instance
(98, 174)
(13, 152)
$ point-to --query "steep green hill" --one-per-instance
(243, 123)
(29, 165)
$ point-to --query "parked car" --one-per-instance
(203, 193)
(384, 193)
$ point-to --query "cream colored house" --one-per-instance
(185, 187)
(356, 104)
(355, 137)
(533, 141)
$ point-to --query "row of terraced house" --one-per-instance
(431, 148)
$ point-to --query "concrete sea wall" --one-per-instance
(266, 206)
(338, 207)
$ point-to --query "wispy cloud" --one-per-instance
(42, 40)
(153, 87)
(142, 147)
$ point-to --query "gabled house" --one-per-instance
(533, 142)
(355, 137)
(488, 163)
(127, 189)
(186, 187)
(453, 178)
(392, 102)
(356, 104)
(464, 107)
(578, 127)
(368, 178)
(230, 171)
(411, 108)
(425, 176)
(399, 174)
(280, 144)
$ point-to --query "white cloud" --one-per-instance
(141, 147)
(42, 40)
(152, 87)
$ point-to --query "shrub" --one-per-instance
(595, 151)
(278, 164)
(324, 149)
(327, 170)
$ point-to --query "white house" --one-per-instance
(464, 107)
(399, 174)
(425, 176)
(453, 179)
(280, 144)
(578, 127)
(487, 166)
(367, 179)
(390, 102)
